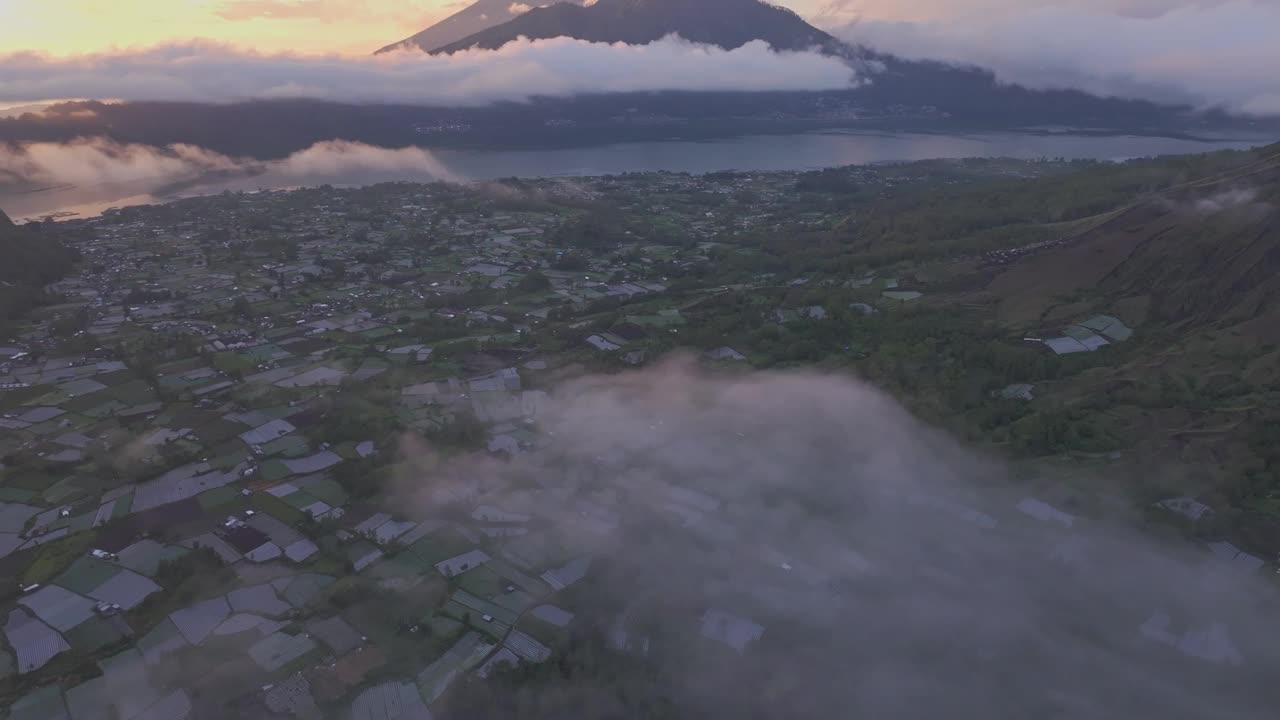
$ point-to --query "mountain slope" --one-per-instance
(1204, 254)
(480, 15)
(1193, 396)
(725, 23)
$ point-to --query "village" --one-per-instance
(205, 443)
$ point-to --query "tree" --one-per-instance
(534, 282)
(572, 262)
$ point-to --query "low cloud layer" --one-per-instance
(517, 72)
(91, 174)
(1205, 52)
(95, 162)
(890, 572)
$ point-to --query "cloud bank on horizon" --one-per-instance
(97, 161)
(1202, 52)
(91, 173)
(202, 72)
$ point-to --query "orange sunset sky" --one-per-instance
(67, 27)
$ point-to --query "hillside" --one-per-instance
(725, 23)
(478, 16)
(1192, 397)
(1203, 254)
(1184, 251)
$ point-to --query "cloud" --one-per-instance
(868, 548)
(1227, 200)
(95, 173)
(519, 71)
(1205, 52)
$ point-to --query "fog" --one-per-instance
(888, 567)
(560, 67)
(1204, 52)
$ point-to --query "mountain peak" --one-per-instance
(478, 16)
(728, 24)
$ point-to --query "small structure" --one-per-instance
(729, 629)
(1109, 327)
(601, 343)
(726, 353)
(461, 563)
(1067, 345)
(1234, 558)
(1187, 507)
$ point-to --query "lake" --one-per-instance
(798, 151)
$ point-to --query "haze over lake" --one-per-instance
(799, 151)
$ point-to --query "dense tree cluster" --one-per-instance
(33, 258)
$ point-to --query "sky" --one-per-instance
(63, 27)
(1203, 52)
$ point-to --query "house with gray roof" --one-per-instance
(461, 563)
(265, 433)
(726, 353)
(600, 343)
(1234, 558)
(1110, 327)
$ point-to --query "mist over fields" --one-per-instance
(853, 560)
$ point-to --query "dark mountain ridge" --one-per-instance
(971, 101)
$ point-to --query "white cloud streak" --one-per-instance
(92, 174)
(517, 72)
(1206, 52)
